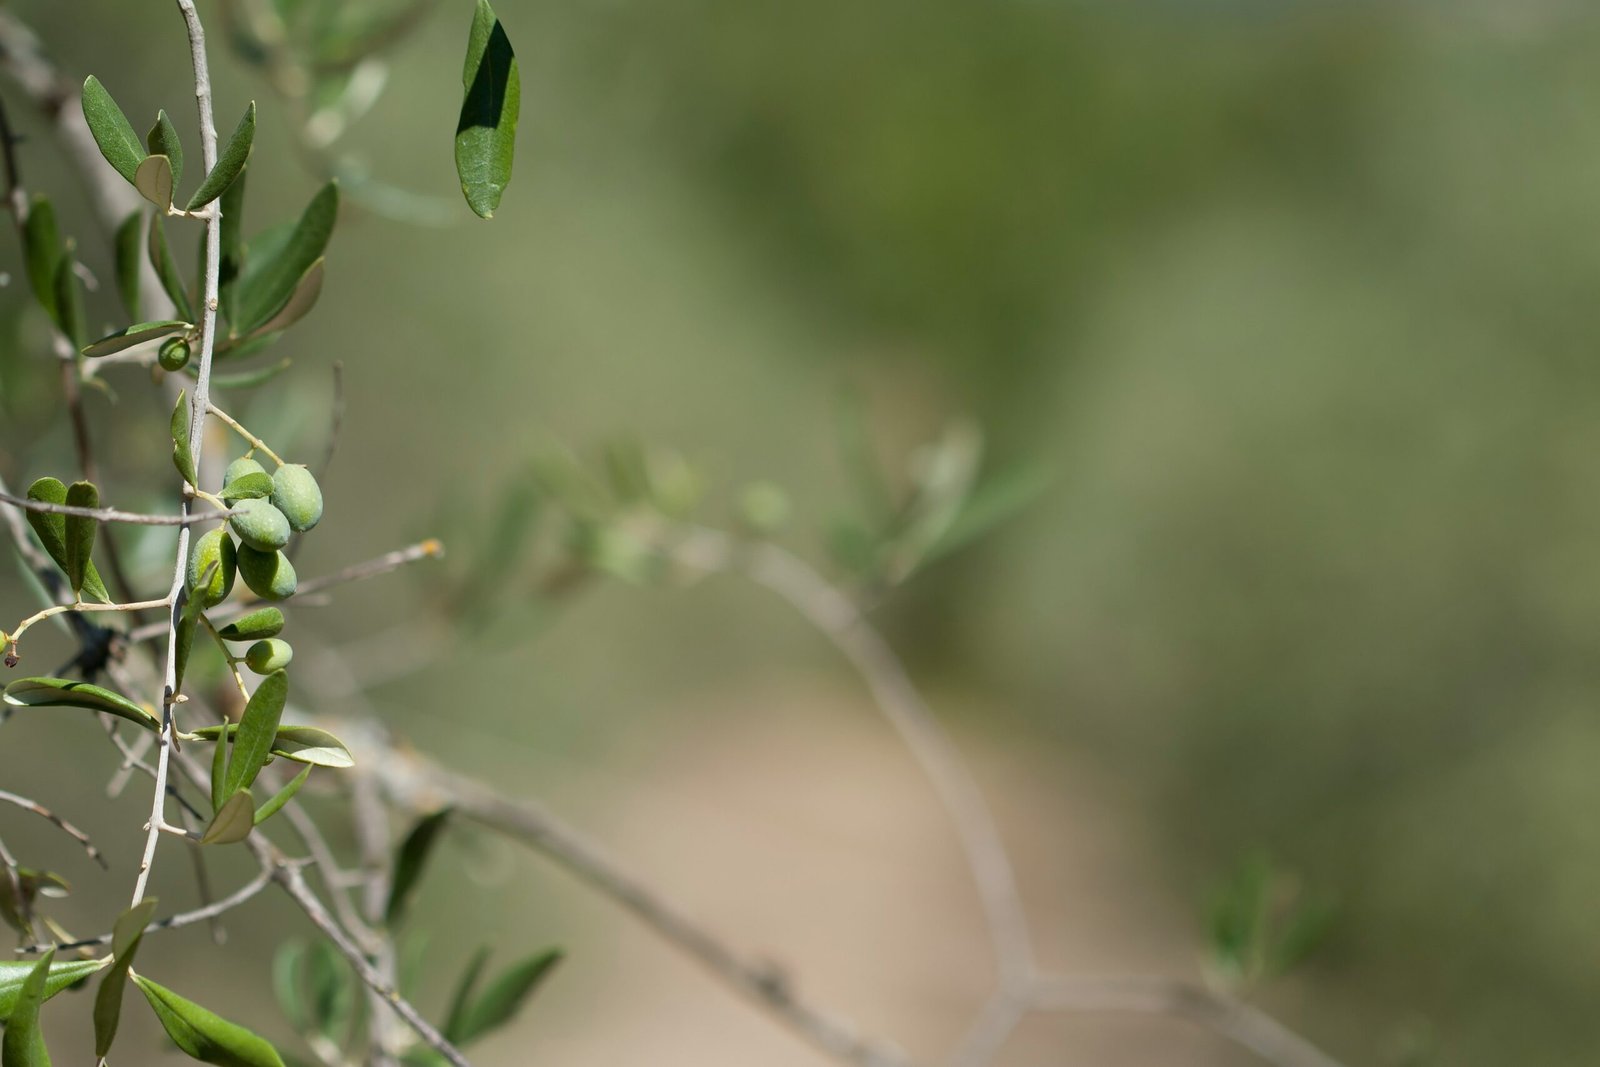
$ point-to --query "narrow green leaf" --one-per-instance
(71, 315)
(62, 975)
(52, 533)
(125, 937)
(127, 249)
(23, 1045)
(505, 996)
(163, 140)
(233, 820)
(62, 693)
(303, 744)
(232, 250)
(258, 728)
(42, 242)
(138, 333)
(153, 179)
(204, 1035)
(300, 303)
(260, 624)
(219, 773)
(235, 154)
(332, 986)
(286, 984)
(486, 132)
(269, 280)
(80, 532)
(282, 796)
(112, 132)
(250, 487)
(182, 457)
(185, 643)
(166, 269)
(462, 998)
(410, 862)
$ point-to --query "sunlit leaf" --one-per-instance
(258, 728)
(153, 179)
(138, 333)
(162, 140)
(230, 163)
(283, 796)
(80, 533)
(303, 744)
(202, 1034)
(125, 937)
(252, 486)
(486, 131)
(112, 132)
(23, 1044)
(233, 820)
(62, 693)
(62, 975)
(410, 862)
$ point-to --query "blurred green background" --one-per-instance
(1294, 300)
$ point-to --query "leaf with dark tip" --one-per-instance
(162, 140)
(154, 181)
(230, 163)
(63, 693)
(252, 486)
(51, 530)
(277, 800)
(486, 131)
(41, 241)
(270, 278)
(204, 1035)
(303, 744)
(80, 532)
(62, 975)
(125, 937)
(505, 996)
(23, 1045)
(127, 258)
(112, 132)
(166, 268)
(410, 862)
(71, 315)
(258, 727)
(182, 457)
(231, 262)
(138, 333)
(232, 822)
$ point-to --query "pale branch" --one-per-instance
(57, 821)
(1247, 1026)
(371, 568)
(211, 911)
(132, 518)
(417, 785)
(238, 428)
(842, 622)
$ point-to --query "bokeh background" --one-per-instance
(1295, 302)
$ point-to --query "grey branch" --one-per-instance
(57, 821)
(172, 922)
(132, 518)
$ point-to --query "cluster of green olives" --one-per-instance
(267, 510)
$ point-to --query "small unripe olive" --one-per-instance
(296, 493)
(269, 575)
(239, 468)
(263, 622)
(173, 354)
(265, 657)
(260, 525)
(212, 550)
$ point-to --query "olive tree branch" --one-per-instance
(133, 518)
(57, 821)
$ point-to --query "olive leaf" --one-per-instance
(80, 533)
(182, 457)
(204, 1035)
(277, 260)
(258, 728)
(300, 302)
(250, 487)
(23, 1045)
(303, 744)
(125, 938)
(501, 1000)
(486, 131)
(41, 241)
(112, 132)
(13, 973)
(283, 796)
(127, 260)
(71, 315)
(233, 820)
(153, 179)
(410, 862)
(230, 163)
(138, 333)
(163, 140)
(166, 268)
(63, 693)
(51, 529)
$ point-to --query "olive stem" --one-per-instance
(255, 442)
(39, 616)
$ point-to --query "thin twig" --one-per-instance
(112, 514)
(173, 922)
(61, 824)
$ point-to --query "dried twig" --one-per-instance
(61, 824)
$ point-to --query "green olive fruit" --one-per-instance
(260, 525)
(173, 354)
(296, 493)
(265, 657)
(240, 467)
(212, 552)
(269, 575)
(265, 622)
